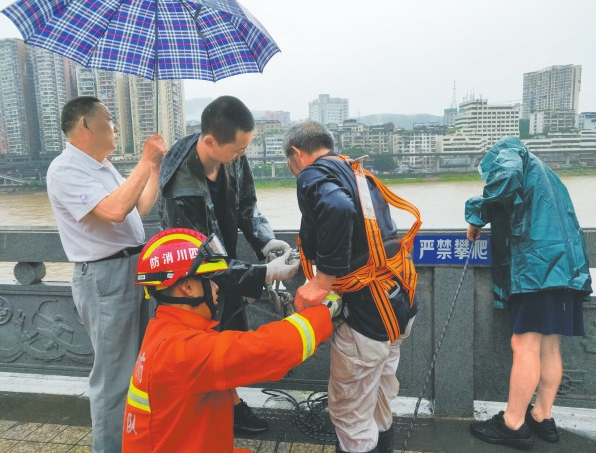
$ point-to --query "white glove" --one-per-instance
(282, 268)
(276, 245)
(334, 303)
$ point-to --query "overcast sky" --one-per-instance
(403, 56)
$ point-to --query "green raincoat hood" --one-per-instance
(537, 241)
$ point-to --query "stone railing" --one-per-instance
(40, 331)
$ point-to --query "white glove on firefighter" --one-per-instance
(276, 245)
(282, 267)
(334, 303)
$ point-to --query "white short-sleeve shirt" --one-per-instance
(76, 184)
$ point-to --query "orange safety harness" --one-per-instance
(380, 271)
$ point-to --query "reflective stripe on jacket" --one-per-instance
(180, 399)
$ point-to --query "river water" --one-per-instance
(441, 205)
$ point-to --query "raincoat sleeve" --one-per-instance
(267, 354)
(242, 278)
(251, 221)
(503, 189)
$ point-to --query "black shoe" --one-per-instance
(495, 431)
(546, 429)
(246, 420)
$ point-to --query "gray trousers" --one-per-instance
(362, 383)
(109, 305)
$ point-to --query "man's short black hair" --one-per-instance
(224, 117)
(76, 108)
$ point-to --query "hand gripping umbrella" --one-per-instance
(155, 39)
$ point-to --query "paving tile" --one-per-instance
(20, 431)
(55, 448)
(268, 446)
(249, 444)
(27, 447)
(72, 435)
(306, 448)
(46, 432)
(6, 424)
(80, 449)
(6, 444)
(87, 440)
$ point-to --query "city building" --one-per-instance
(86, 83)
(565, 149)
(19, 124)
(449, 116)
(491, 122)
(54, 78)
(265, 127)
(586, 121)
(545, 121)
(553, 88)
(329, 111)
(282, 117)
(172, 125)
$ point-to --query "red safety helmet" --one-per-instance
(179, 252)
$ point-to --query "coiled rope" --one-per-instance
(307, 416)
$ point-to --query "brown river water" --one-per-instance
(441, 205)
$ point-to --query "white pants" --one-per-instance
(362, 383)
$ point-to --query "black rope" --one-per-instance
(432, 365)
(307, 416)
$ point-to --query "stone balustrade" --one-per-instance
(40, 331)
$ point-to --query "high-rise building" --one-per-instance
(19, 124)
(328, 110)
(86, 83)
(491, 122)
(171, 110)
(172, 124)
(55, 81)
(552, 88)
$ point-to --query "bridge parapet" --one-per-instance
(40, 331)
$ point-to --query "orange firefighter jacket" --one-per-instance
(179, 398)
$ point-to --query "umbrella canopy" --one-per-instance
(204, 39)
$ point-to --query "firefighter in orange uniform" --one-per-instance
(180, 398)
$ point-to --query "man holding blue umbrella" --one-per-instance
(98, 214)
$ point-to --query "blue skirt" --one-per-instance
(548, 312)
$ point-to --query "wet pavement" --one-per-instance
(32, 422)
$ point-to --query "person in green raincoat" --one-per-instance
(541, 269)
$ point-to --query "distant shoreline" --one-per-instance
(403, 178)
(407, 178)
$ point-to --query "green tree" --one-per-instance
(384, 162)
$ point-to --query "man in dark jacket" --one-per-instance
(540, 267)
(333, 234)
(207, 184)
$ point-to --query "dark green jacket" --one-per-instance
(537, 241)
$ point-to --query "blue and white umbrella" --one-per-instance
(203, 39)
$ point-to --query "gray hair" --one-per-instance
(308, 136)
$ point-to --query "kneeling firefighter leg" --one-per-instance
(385, 443)
(339, 450)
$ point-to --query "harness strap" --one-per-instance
(380, 271)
